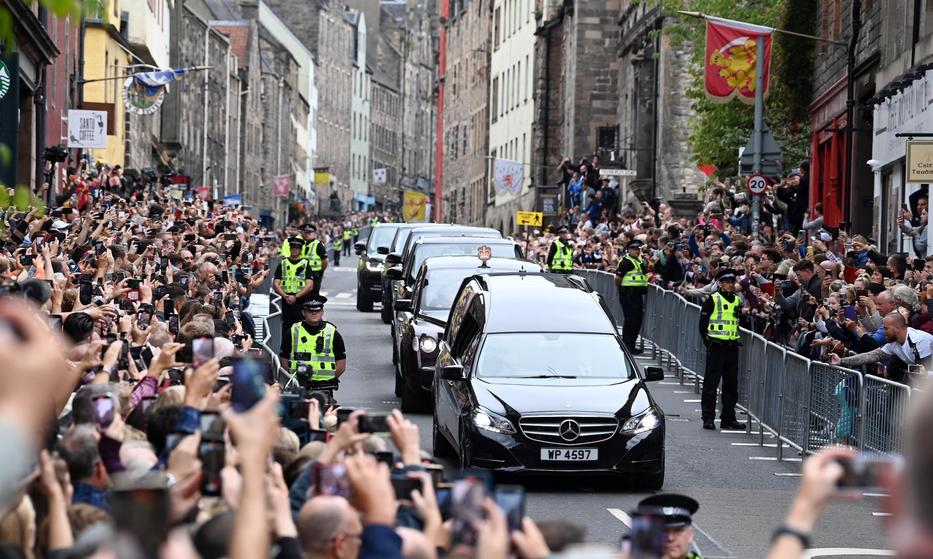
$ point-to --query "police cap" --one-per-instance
(675, 510)
(309, 227)
(726, 274)
(633, 244)
(315, 303)
(296, 242)
(562, 229)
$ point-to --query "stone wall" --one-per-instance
(466, 122)
(884, 28)
(335, 88)
(385, 137)
(676, 170)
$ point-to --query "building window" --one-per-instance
(527, 77)
(496, 27)
(495, 99)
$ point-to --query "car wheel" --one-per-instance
(386, 311)
(650, 482)
(412, 402)
(398, 383)
(442, 447)
(363, 302)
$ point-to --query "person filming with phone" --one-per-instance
(313, 349)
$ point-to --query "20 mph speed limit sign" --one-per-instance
(757, 184)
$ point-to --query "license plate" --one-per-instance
(570, 454)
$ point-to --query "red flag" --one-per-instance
(731, 54)
(707, 169)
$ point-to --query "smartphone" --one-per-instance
(163, 263)
(104, 410)
(437, 473)
(142, 515)
(218, 297)
(317, 435)
(248, 382)
(343, 414)
(118, 277)
(146, 404)
(202, 350)
(646, 537)
(297, 409)
(850, 312)
(332, 480)
(511, 499)
(212, 426)
(143, 318)
(863, 471)
(224, 277)
(373, 423)
(183, 280)
(86, 293)
(387, 458)
(99, 248)
(404, 485)
(466, 507)
(168, 307)
(212, 455)
(443, 493)
(133, 283)
(173, 324)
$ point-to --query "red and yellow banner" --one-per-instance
(414, 206)
(731, 56)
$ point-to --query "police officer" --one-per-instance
(336, 245)
(560, 256)
(347, 238)
(290, 231)
(672, 514)
(719, 329)
(293, 282)
(632, 279)
(316, 254)
(313, 349)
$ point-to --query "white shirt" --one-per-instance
(917, 343)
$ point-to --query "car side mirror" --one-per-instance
(393, 258)
(452, 372)
(654, 373)
(382, 250)
(359, 247)
(394, 273)
(402, 305)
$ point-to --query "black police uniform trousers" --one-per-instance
(317, 277)
(346, 247)
(336, 257)
(722, 363)
(291, 314)
(632, 300)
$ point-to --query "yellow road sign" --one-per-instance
(529, 218)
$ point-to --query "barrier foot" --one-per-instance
(696, 384)
(780, 449)
(761, 434)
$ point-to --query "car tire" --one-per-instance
(363, 302)
(650, 482)
(398, 383)
(386, 312)
(442, 447)
(412, 400)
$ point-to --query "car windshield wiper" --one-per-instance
(550, 376)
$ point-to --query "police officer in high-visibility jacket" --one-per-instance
(632, 279)
(347, 241)
(290, 231)
(314, 350)
(293, 282)
(560, 256)
(719, 330)
(336, 246)
(315, 253)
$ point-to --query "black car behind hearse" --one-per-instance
(531, 375)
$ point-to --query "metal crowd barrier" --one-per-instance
(805, 405)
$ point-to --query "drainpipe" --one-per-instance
(207, 34)
(227, 125)
(850, 106)
(239, 132)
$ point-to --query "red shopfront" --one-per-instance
(828, 181)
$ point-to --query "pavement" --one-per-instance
(743, 490)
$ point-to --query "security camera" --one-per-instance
(873, 163)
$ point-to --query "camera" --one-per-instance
(55, 154)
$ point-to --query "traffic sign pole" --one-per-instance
(756, 138)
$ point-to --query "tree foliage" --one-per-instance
(718, 130)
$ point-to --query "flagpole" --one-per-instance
(193, 69)
(756, 135)
(701, 15)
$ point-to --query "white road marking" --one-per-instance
(341, 269)
(787, 474)
(691, 401)
(343, 295)
(773, 458)
(843, 551)
(621, 516)
(875, 495)
(684, 392)
(881, 514)
(769, 445)
(325, 293)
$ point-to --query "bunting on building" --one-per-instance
(508, 176)
(143, 92)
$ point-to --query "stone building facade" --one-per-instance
(321, 27)
(386, 113)
(466, 121)
(279, 97)
(576, 79)
(360, 163)
(654, 111)
(198, 115)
